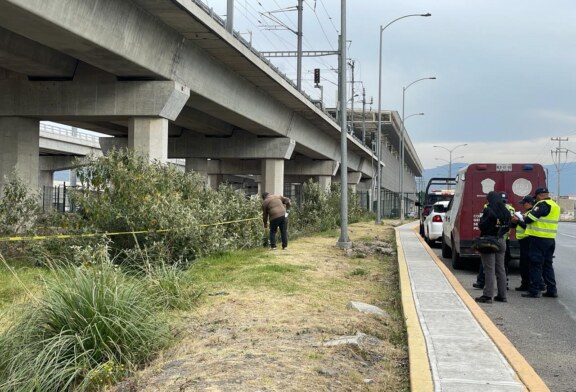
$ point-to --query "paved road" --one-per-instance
(543, 330)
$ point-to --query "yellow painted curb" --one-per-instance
(524, 371)
(420, 372)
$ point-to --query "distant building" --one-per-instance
(567, 207)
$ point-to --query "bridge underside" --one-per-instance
(153, 72)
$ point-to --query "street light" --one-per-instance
(402, 132)
(450, 150)
(447, 161)
(379, 130)
(412, 115)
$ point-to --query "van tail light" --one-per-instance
(437, 218)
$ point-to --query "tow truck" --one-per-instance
(438, 189)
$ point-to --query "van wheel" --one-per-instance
(421, 230)
(456, 259)
(446, 251)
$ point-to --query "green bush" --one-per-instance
(320, 209)
(181, 218)
(93, 324)
(19, 212)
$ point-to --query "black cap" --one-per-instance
(504, 196)
(527, 199)
(541, 190)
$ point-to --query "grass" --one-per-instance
(88, 327)
(18, 280)
(253, 317)
(247, 268)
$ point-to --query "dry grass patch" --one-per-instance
(267, 314)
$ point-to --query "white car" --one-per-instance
(433, 222)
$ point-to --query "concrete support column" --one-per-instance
(273, 176)
(19, 150)
(325, 182)
(73, 177)
(353, 180)
(214, 180)
(200, 166)
(46, 178)
(149, 136)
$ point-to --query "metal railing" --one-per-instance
(73, 133)
(57, 198)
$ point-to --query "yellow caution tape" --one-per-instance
(58, 236)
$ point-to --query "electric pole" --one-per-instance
(281, 25)
(557, 157)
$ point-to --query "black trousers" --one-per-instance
(541, 255)
(282, 224)
(524, 261)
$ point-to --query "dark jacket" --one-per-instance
(495, 219)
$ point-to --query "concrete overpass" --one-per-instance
(166, 77)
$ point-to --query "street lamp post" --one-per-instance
(412, 115)
(379, 129)
(450, 150)
(402, 133)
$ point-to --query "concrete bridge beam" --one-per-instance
(92, 99)
(56, 163)
(240, 145)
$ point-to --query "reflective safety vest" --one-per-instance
(520, 231)
(545, 226)
(512, 211)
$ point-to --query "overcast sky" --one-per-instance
(506, 70)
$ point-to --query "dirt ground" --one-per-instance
(247, 339)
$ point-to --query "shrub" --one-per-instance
(19, 211)
(92, 325)
(320, 209)
(181, 218)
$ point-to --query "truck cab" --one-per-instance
(437, 189)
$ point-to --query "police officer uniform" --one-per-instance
(524, 242)
(542, 227)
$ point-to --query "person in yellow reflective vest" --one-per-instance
(541, 224)
(527, 202)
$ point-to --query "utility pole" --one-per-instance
(351, 64)
(344, 241)
(363, 115)
(556, 156)
(299, 58)
(230, 16)
(298, 54)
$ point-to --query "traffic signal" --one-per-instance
(316, 75)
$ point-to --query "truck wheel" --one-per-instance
(446, 251)
(456, 259)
